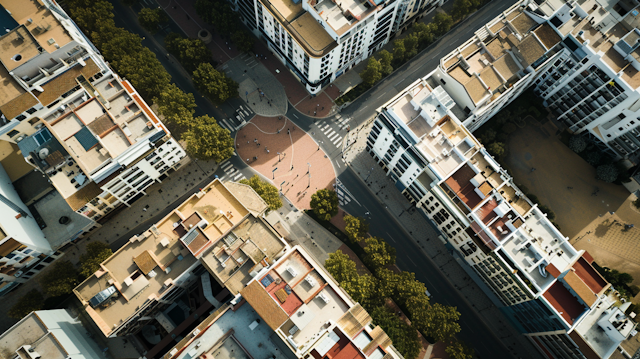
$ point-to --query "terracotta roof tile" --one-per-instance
(264, 305)
(18, 105)
(66, 81)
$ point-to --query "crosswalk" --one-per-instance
(344, 197)
(333, 136)
(328, 128)
(240, 119)
(231, 173)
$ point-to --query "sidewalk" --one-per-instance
(159, 196)
(422, 232)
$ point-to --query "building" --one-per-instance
(547, 288)
(217, 233)
(291, 309)
(71, 118)
(581, 57)
(50, 334)
(321, 40)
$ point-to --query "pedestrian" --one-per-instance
(267, 151)
(237, 145)
(323, 107)
(278, 131)
(288, 132)
(247, 160)
(247, 142)
(318, 105)
(255, 140)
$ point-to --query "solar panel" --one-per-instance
(86, 138)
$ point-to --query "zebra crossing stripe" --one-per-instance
(225, 165)
(226, 125)
(335, 143)
(333, 137)
(330, 132)
(238, 175)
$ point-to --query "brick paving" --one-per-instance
(418, 229)
(316, 106)
(297, 149)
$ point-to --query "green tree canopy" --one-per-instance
(497, 149)
(190, 52)
(440, 322)
(372, 73)
(97, 252)
(244, 40)
(443, 21)
(386, 58)
(266, 190)
(399, 51)
(206, 140)
(219, 14)
(177, 106)
(379, 253)
(91, 15)
(32, 300)
(214, 84)
(356, 228)
(150, 19)
(577, 143)
(324, 204)
(411, 46)
(343, 269)
(60, 279)
(607, 173)
(459, 350)
(403, 336)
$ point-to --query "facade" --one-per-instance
(290, 309)
(546, 287)
(217, 233)
(71, 118)
(581, 57)
(50, 334)
(321, 40)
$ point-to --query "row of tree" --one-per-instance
(437, 322)
(59, 281)
(226, 22)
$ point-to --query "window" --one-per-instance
(31, 110)
(13, 133)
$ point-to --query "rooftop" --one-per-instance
(426, 115)
(564, 302)
(342, 15)
(51, 208)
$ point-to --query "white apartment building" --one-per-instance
(582, 57)
(72, 118)
(547, 288)
(50, 334)
(321, 40)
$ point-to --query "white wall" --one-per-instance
(25, 229)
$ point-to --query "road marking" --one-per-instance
(226, 165)
(412, 262)
(337, 141)
(394, 241)
(333, 137)
(329, 132)
(337, 163)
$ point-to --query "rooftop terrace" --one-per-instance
(342, 15)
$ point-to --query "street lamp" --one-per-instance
(368, 174)
(281, 185)
(274, 172)
(278, 156)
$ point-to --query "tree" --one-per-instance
(150, 19)
(593, 158)
(411, 46)
(444, 22)
(372, 73)
(509, 128)
(324, 204)
(459, 350)
(177, 106)
(607, 173)
(385, 62)
(577, 144)
(90, 15)
(403, 336)
(550, 214)
(215, 85)
(243, 40)
(206, 140)
(488, 135)
(266, 190)
(497, 149)
(343, 269)
(425, 33)
(190, 52)
(440, 322)
(356, 228)
(409, 287)
(399, 51)
(461, 8)
(97, 252)
(60, 279)
(379, 253)
(145, 72)
(31, 301)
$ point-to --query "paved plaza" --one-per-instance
(299, 170)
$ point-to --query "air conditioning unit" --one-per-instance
(195, 332)
(20, 138)
(39, 126)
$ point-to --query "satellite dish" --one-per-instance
(43, 153)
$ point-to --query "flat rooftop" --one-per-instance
(51, 208)
(302, 26)
(342, 15)
(425, 113)
(486, 69)
(564, 302)
(297, 297)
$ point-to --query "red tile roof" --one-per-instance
(589, 275)
(564, 302)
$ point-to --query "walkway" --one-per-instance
(287, 156)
